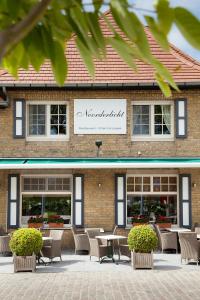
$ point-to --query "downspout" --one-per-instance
(4, 99)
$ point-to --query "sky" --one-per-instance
(175, 37)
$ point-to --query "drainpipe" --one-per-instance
(4, 100)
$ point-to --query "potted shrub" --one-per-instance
(25, 244)
(55, 221)
(139, 220)
(35, 222)
(163, 222)
(142, 240)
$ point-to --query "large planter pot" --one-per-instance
(24, 263)
(142, 260)
(35, 225)
(164, 225)
(56, 225)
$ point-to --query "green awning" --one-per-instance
(98, 163)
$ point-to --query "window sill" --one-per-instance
(149, 139)
(44, 139)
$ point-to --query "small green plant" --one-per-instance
(36, 219)
(55, 219)
(142, 239)
(26, 241)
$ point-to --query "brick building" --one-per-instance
(149, 160)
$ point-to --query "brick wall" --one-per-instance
(113, 145)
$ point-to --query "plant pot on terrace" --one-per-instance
(35, 222)
(25, 244)
(55, 221)
(163, 222)
(139, 221)
(142, 240)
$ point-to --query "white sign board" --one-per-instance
(100, 116)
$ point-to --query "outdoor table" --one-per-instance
(110, 238)
(178, 229)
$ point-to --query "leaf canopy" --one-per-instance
(35, 30)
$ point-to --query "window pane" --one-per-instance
(158, 109)
(37, 119)
(166, 129)
(31, 205)
(54, 109)
(62, 109)
(54, 130)
(58, 120)
(133, 207)
(158, 129)
(141, 119)
(158, 119)
(62, 129)
(58, 205)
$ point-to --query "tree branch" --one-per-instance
(15, 33)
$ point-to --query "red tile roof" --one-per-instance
(113, 69)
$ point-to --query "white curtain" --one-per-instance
(166, 112)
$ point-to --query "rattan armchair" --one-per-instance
(81, 241)
(97, 248)
(4, 244)
(54, 248)
(190, 246)
(166, 240)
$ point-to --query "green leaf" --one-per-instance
(164, 73)
(124, 50)
(86, 56)
(165, 15)
(163, 85)
(13, 7)
(189, 26)
(130, 24)
(157, 33)
(47, 43)
(97, 4)
(59, 63)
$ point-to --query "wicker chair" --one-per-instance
(54, 248)
(4, 244)
(190, 246)
(81, 241)
(96, 247)
(197, 230)
(124, 248)
(166, 240)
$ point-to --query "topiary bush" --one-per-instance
(26, 241)
(142, 239)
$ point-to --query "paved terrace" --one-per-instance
(78, 278)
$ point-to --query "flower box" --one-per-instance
(35, 225)
(24, 263)
(142, 260)
(55, 225)
(164, 225)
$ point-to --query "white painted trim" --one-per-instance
(108, 165)
(47, 137)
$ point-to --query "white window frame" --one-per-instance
(47, 136)
(63, 193)
(151, 192)
(152, 136)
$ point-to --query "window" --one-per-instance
(46, 195)
(149, 195)
(47, 120)
(46, 184)
(152, 121)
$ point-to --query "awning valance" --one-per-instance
(98, 163)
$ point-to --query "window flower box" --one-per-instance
(35, 222)
(55, 221)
